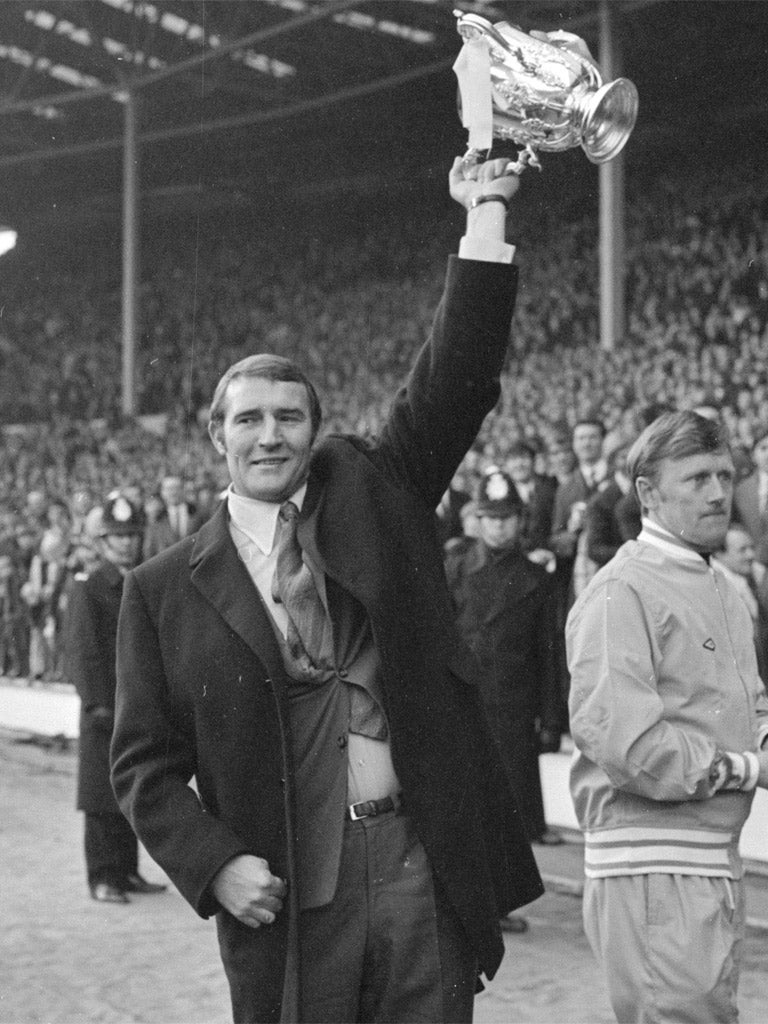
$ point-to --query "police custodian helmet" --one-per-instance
(497, 496)
(120, 516)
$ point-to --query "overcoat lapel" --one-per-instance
(220, 576)
(333, 524)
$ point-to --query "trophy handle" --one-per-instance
(527, 157)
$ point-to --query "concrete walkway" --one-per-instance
(68, 960)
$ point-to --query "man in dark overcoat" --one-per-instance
(351, 825)
(505, 609)
(93, 605)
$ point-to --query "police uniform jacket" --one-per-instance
(202, 688)
(93, 606)
(505, 607)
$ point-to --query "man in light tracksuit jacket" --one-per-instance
(669, 715)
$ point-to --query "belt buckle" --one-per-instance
(353, 815)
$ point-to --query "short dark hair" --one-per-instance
(589, 421)
(266, 366)
(675, 435)
(521, 448)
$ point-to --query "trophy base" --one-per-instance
(608, 120)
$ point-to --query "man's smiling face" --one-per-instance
(266, 436)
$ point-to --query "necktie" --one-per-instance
(309, 637)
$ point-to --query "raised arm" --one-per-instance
(454, 383)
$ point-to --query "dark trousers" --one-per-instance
(388, 947)
(111, 849)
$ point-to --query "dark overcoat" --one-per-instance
(93, 605)
(202, 689)
(506, 611)
(505, 606)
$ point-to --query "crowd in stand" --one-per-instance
(352, 313)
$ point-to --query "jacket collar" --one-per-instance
(258, 519)
(671, 545)
(220, 576)
(481, 555)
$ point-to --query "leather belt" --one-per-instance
(370, 808)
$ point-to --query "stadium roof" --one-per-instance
(247, 98)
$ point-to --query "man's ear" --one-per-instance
(647, 492)
(216, 435)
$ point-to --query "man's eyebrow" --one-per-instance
(708, 471)
(278, 410)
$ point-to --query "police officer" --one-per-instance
(505, 606)
(111, 848)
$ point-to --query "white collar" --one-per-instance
(258, 519)
(595, 471)
(667, 542)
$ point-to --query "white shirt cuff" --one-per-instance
(752, 770)
(485, 251)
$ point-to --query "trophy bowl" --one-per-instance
(543, 92)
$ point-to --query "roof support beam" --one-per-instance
(144, 81)
(240, 120)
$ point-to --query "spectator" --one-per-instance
(568, 541)
(613, 514)
(176, 520)
(749, 578)
(561, 460)
(750, 499)
(13, 653)
(42, 592)
(537, 494)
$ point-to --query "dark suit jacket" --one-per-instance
(562, 541)
(537, 523)
(93, 605)
(201, 684)
(612, 518)
(160, 535)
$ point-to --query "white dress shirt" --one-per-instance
(253, 527)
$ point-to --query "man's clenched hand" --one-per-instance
(249, 891)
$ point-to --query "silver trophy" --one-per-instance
(542, 92)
